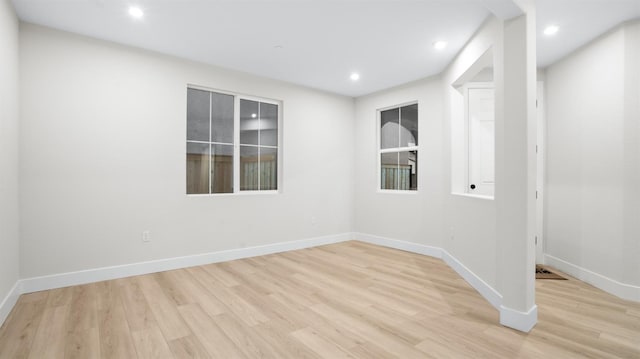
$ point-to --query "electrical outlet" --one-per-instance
(146, 236)
(314, 220)
(452, 233)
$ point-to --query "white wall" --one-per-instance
(470, 223)
(631, 242)
(494, 237)
(9, 245)
(465, 226)
(103, 158)
(414, 216)
(593, 157)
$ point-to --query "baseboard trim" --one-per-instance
(398, 244)
(10, 301)
(612, 286)
(61, 280)
(485, 290)
(522, 321)
(513, 319)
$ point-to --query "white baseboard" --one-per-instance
(490, 294)
(10, 301)
(522, 321)
(487, 291)
(398, 244)
(29, 285)
(35, 284)
(622, 290)
(127, 270)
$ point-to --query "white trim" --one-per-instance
(264, 146)
(398, 149)
(236, 145)
(10, 301)
(212, 143)
(241, 193)
(622, 290)
(237, 98)
(398, 244)
(380, 150)
(106, 273)
(541, 178)
(234, 93)
(403, 104)
(470, 195)
(467, 134)
(485, 290)
(399, 191)
(491, 295)
(514, 319)
(522, 321)
(211, 173)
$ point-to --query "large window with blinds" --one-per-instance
(398, 148)
(232, 143)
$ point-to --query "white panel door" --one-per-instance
(481, 119)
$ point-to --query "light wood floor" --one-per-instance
(351, 300)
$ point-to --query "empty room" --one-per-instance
(320, 179)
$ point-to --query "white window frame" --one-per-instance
(236, 143)
(380, 151)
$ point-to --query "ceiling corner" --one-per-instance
(503, 9)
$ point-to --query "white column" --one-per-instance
(516, 171)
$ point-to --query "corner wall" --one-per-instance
(103, 159)
(592, 226)
(470, 222)
(494, 238)
(9, 205)
(412, 216)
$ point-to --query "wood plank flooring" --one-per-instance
(347, 300)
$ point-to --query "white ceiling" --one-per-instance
(580, 21)
(318, 43)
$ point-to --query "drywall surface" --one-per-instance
(593, 157)
(414, 216)
(516, 171)
(9, 204)
(103, 159)
(470, 222)
(631, 242)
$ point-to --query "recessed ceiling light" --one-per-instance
(439, 45)
(355, 76)
(136, 12)
(551, 30)
(253, 115)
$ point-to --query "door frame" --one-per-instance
(541, 117)
(467, 127)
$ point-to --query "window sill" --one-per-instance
(397, 191)
(470, 195)
(243, 193)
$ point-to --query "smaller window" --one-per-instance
(398, 148)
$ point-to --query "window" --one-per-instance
(232, 143)
(398, 148)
